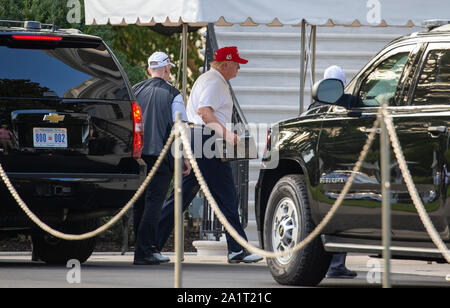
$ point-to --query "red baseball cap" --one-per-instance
(229, 54)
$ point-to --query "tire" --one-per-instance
(52, 250)
(288, 212)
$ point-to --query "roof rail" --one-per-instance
(73, 31)
(434, 23)
(31, 25)
(11, 21)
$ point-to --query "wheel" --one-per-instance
(287, 222)
(52, 250)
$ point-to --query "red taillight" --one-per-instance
(37, 38)
(138, 130)
(137, 113)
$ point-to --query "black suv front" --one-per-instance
(318, 150)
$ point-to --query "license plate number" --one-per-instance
(49, 137)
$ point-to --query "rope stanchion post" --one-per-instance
(385, 193)
(178, 183)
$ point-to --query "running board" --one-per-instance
(367, 246)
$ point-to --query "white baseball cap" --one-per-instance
(335, 72)
(160, 58)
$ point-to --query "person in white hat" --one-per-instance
(335, 72)
(332, 72)
(159, 102)
(337, 267)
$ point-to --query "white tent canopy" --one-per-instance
(304, 13)
(280, 12)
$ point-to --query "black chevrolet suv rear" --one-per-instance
(318, 150)
(70, 136)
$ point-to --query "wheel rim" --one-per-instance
(285, 228)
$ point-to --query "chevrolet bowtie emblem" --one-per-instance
(54, 118)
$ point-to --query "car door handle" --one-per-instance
(436, 131)
(370, 130)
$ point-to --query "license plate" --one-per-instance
(50, 137)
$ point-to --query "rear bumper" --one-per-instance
(51, 195)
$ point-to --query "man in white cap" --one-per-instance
(159, 102)
(337, 267)
(332, 72)
(335, 72)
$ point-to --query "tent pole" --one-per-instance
(177, 82)
(302, 65)
(184, 89)
(313, 55)
(184, 44)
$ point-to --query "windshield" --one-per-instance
(81, 73)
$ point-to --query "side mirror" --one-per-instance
(328, 91)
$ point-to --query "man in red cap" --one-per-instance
(210, 102)
(210, 105)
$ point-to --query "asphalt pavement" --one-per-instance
(112, 270)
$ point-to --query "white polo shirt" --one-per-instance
(210, 90)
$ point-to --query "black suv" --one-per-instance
(70, 135)
(318, 150)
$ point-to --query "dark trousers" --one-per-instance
(218, 175)
(147, 209)
(337, 262)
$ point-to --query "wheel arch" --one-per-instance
(270, 177)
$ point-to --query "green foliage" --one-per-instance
(132, 44)
(45, 11)
(114, 234)
(139, 42)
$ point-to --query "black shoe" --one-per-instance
(146, 261)
(243, 256)
(341, 273)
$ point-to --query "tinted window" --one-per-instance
(60, 72)
(433, 86)
(383, 80)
